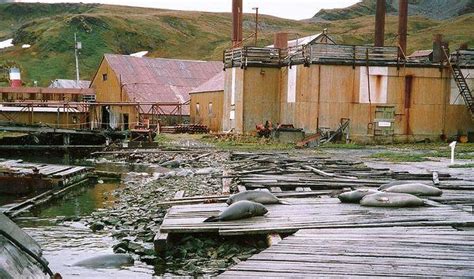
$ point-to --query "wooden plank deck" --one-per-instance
(310, 213)
(364, 252)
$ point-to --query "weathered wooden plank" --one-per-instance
(364, 252)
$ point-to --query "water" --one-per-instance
(65, 243)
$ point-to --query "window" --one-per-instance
(104, 77)
(197, 108)
(209, 108)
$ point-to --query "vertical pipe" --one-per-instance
(256, 26)
(402, 25)
(236, 23)
(77, 60)
(380, 23)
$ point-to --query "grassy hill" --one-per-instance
(435, 9)
(50, 29)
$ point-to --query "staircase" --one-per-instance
(462, 86)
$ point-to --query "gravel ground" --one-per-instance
(135, 216)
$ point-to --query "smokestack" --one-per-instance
(237, 14)
(438, 45)
(15, 78)
(280, 40)
(403, 24)
(380, 23)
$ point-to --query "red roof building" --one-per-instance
(127, 79)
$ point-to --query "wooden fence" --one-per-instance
(314, 53)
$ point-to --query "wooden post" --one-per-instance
(226, 182)
(160, 243)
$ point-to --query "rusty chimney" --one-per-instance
(280, 40)
(440, 48)
(380, 23)
(403, 25)
(237, 14)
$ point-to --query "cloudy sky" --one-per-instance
(294, 9)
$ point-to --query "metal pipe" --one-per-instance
(77, 59)
(380, 24)
(256, 24)
(236, 23)
(402, 25)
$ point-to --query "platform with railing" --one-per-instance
(313, 53)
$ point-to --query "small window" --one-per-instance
(104, 77)
(209, 108)
(197, 109)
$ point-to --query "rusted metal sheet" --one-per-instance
(216, 83)
(158, 79)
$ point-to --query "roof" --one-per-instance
(69, 83)
(161, 80)
(38, 109)
(47, 90)
(316, 38)
(216, 83)
(421, 53)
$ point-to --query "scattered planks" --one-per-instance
(437, 251)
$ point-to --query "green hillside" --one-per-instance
(50, 29)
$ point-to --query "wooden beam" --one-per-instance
(226, 182)
(160, 243)
(435, 178)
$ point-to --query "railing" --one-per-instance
(254, 56)
(242, 57)
(463, 57)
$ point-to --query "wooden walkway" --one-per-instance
(356, 253)
(18, 177)
(306, 213)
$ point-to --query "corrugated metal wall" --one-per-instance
(323, 94)
(211, 117)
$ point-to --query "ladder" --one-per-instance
(462, 85)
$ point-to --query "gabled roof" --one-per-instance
(159, 79)
(216, 83)
(316, 38)
(69, 83)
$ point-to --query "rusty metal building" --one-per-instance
(207, 103)
(131, 90)
(384, 96)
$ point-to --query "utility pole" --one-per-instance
(256, 24)
(77, 47)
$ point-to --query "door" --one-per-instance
(384, 123)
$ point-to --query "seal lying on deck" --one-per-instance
(106, 261)
(391, 200)
(263, 197)
(390, 184)
(356, 195)
(417, 189)
(239, 210)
